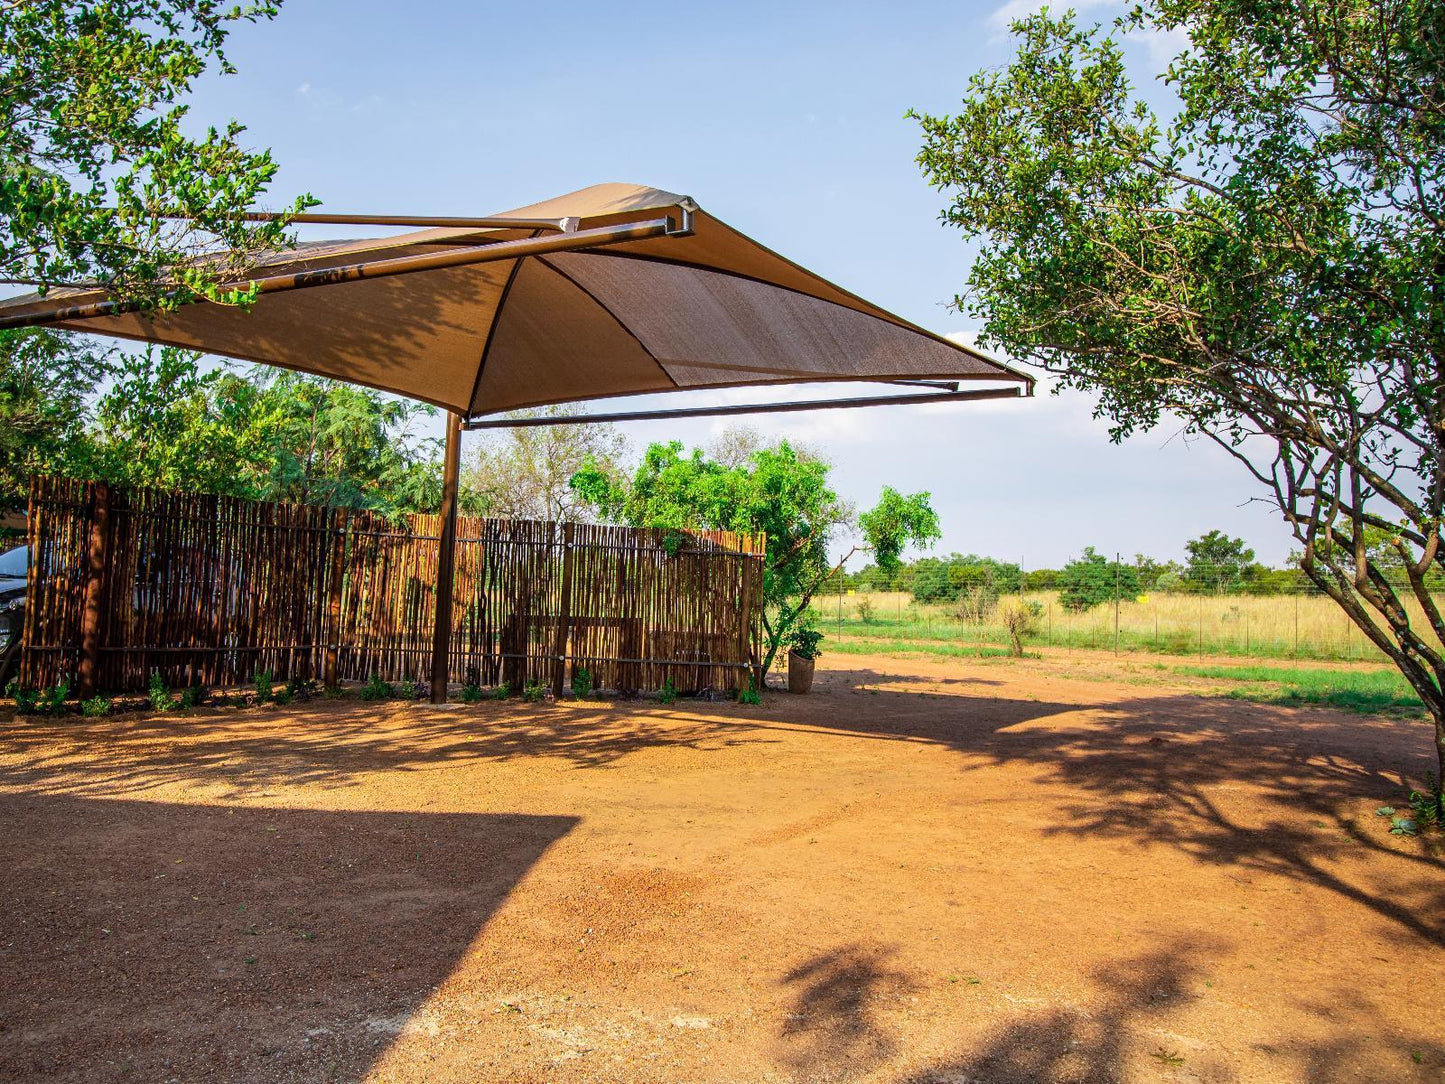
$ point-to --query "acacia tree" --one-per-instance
(526, 472)
(777, 492)
(1266, 263)
(1218, 563)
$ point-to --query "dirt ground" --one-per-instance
(982, 871)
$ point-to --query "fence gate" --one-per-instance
(214, 590)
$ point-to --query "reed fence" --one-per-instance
(215, 590)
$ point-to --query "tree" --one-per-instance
(1092, 579)
(327, 442)
(1265, 262)
(155, 426)
(46, 379)
(526, 473)
(777, 492)
(168, 421)
(1218, 563)
(99, 181)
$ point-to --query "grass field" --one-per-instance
(1353, 690)
(1272, 627)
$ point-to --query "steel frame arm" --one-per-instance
(748, 408)
(399, 265)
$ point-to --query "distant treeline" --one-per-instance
(1217, 565)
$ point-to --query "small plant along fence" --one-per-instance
(215, 590)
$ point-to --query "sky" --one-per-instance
(786, 121)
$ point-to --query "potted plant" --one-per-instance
(802, 654)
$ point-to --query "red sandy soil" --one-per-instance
(954, 871)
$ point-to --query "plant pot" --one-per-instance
(800, 673)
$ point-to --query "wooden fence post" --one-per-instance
(97, 573)
(333, 627)
(564, 615)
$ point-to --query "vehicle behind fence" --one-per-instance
(215, 590)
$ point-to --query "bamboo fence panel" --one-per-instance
(213, 591)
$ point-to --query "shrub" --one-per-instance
(1020, 620)
(301, 690)
(376, 689)
(264, 684)
(581, 683)
(804, 642)
(406, 690)
(283, 695)
(1093, 579)
(39, 701)
(502, 691)
(160, 694)
(471, 693)
(535, 692)
(95, 707)
(668, 693)
(750, 695)
(865, 610)
(975, 605)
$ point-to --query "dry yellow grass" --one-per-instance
(1278, 626)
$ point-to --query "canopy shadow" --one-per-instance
(153, 941)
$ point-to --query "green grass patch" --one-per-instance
(862, 646)
(1368, 691)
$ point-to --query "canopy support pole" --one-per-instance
(751, 408)
(446, 563)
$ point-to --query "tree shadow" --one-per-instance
(152, 941)
(833, 1024)
(1156, 770)
(1125, 1034)
(1165, 771)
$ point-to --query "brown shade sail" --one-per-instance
(614, 290)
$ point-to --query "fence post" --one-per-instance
(1117, 571)
(97, 573)
(333, 626)
(564, 615)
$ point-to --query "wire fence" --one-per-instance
(1298, 623)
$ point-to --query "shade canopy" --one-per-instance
(614, 290)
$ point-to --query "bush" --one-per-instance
(95, 707)
(502, 691)
(406, 689)
(1020, 620)
(160, 694)
(975, 605)
(376, 689)
(668, 693)
(264, 684)
(804, 642)
(38, 701)
(535, 692)
(581, 683)
(750, 695)
(283, 695)
(471, 693)
(1093, 579)
(865, 610)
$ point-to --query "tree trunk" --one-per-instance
(1440, 769)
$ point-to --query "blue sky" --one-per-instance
(784, 119)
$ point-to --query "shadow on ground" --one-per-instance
(1156, 769)
(833, 1026)
(151, 941)
(1125, 1033)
